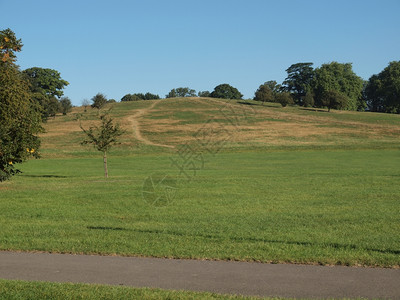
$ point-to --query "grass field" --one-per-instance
(287, 185)
(46, 290)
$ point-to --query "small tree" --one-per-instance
(65, 105)
(99, 101)
(130, 97)
(284, 99)
(204, 94)
(334, 99)
(181, 92)
(150, 96)
(85, 103)
(265, 93)
(103, 137)
(308, 100)
(52, 108)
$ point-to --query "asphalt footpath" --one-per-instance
(244, 278)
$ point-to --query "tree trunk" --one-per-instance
(105, 164)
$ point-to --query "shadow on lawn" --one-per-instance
(105, 228)
(44, 176)
(258, 104)
(251, 239)
(313, 109)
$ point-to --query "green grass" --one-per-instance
(325, 207)
(10, 289)
(273, 194)
(319, 198)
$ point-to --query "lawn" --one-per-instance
(288, 185)
(326, 207)
(10, 289)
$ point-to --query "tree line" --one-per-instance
(335, 85)
(332, 85)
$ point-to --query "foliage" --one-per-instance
(299, 80)
(98, 101)
(226, 91)
(9, 44)
(267, 91)
(46, 86)
(46, 81)
(85, 103)
(130, 97)
(49, 105)
(284, 98)
(150, 96)
(383, 90)
(181, 92)
(52, 108)
(308, 100)
(139, 96)
(340, 78)
(334, 99)
(20, 117)
(204, 94)
(103, 137)
(65, 105)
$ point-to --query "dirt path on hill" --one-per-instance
(134, 120)
(261, 279)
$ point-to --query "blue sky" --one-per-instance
(119, 47)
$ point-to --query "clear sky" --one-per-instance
(119, 47)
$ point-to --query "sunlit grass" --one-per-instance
(10, 289)
(325, 207)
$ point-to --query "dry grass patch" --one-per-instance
(171, 122)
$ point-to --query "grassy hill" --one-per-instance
(251, 126)
(243, 181)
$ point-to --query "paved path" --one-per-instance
(215, 276)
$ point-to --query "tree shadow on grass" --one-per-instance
(105, 228)
(258, 104)
(44, 176)
(314, 109)
(253, 239)
(247, 103)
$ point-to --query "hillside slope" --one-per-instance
(163, 125)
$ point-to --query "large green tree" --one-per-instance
(226, 91)
(47, 87)
(46, 81)
(383, 90)
(20, 120)
(299, 80)
(341, 79)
